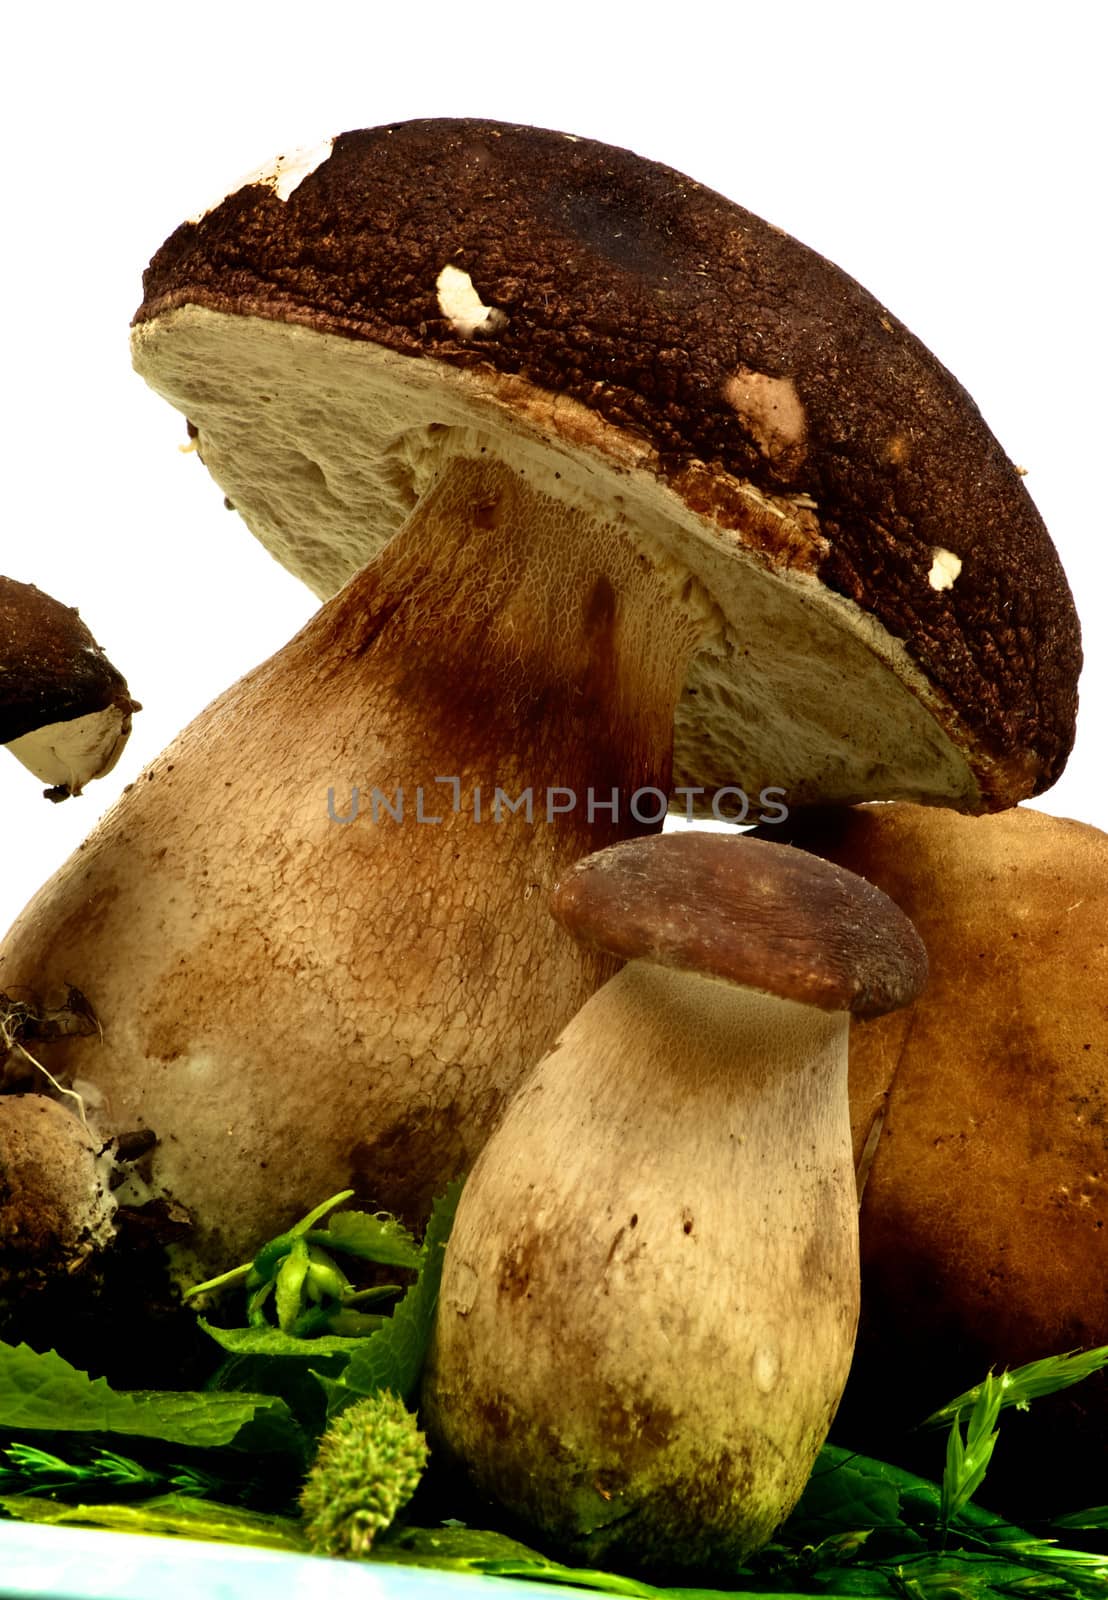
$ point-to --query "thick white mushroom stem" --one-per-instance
(650, 1295)
(295, 1003)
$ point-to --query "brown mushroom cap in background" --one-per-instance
(984, 1216)
(766, 389)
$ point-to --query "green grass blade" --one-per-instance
(1031, 1382)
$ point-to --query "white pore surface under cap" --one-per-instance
(70, 754)
(325, 445)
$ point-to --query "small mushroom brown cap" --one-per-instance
(53, 671)
(761, 915)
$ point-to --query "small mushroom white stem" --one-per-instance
(650, 1294)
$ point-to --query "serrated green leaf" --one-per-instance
(42, 1391)
(270, 1341)
(392, 1357)
(846, 1491)
(377, 1238)
(170, 1514)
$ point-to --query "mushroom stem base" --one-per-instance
(650, 1295)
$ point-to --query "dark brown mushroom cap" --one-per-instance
(735, 353)
(761, 915)
(51, 667)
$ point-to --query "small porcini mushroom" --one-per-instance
(56, 1210)
(65, 712)
(979, 1116)
(649, 1296)
(626, 488)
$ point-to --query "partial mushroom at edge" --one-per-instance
(649, 1297)
(65, 711)
(980, 1114)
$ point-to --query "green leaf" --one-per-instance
(392, 1357)
(269, 1257)
(967, 1461)
(453, 1543)
(847, 1491)
(263, 1268)
(326, 1282)
(170, 1514)
(1006, 1571)
(255, 1306)
(42, 1391)
(1023, 1384)
(377, 1238)
(456, 1549)
(985, 1556)
(290, 1281)
(270, 1341)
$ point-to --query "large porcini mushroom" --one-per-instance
(979, 1121)
(613, 457)
(650, 1292)
(65, 711)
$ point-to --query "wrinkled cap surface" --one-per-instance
(766, 916)
(628, 314)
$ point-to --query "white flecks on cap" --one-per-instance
(283, 175)
(463, 307)
(770, 408)
(945, 567)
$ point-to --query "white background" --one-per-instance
(951, 157)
